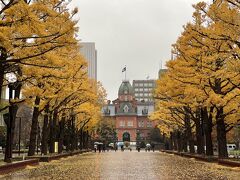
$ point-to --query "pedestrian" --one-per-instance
(153, 147)
(104, 147)
(122, 149)
(95, 148)
(138, 148)
(99, 148)
(115, 147)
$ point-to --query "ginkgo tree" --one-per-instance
(38, 44)
(205, 72)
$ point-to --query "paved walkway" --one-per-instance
(126, 166)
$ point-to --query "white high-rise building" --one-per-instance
(143, 90)
(90, 53)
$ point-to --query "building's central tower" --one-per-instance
(126, 113)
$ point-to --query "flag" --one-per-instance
(147, 77)
(124, 69)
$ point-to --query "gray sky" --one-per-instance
(135, 33)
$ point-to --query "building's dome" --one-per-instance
(126, 89)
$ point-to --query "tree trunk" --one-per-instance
(221, 134)
(207, 121)
(185, 142)
(10, 129)
(53, 131)
(73, 134)
(200, 138)
(3, 58)
(171, 141)
(81, 138)
(51, 138)
(1, 78)
(34, 127)
(179, 142)
(189, 135)
(45, 131)
(175, 144)
(199, 134)
(61, 135)
(68, 136)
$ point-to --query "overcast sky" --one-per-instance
(135, 33)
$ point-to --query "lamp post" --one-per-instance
(9, 118)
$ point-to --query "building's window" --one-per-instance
(145, 111)
(136, 94)
(141, 89)
(125, 98)
(142, 135)
(126, 108)
(146, 99)
(146, 84)
(136, 85)
(122, 123)
(141, 84)
(150, 85)
(141, 94)
(106, 111)
(136, 89)
(149, 124)
(141, 123)
(130, 123)
(150, 94)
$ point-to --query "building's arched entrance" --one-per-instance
(126, 136)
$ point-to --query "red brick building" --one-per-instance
(131, 116)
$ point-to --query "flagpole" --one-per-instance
(125, 74)
(125, 70)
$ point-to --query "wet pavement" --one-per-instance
(126, 166)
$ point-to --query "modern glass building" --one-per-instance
(90, 53)
(143, 90)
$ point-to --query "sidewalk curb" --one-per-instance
(34, 160)
(48, 158)
(225, 162)
(6, 168)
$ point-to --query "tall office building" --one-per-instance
(143, 90)
(90, 53)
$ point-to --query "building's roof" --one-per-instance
(144, 80)
(126, 88)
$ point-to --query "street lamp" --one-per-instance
(9, 118)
